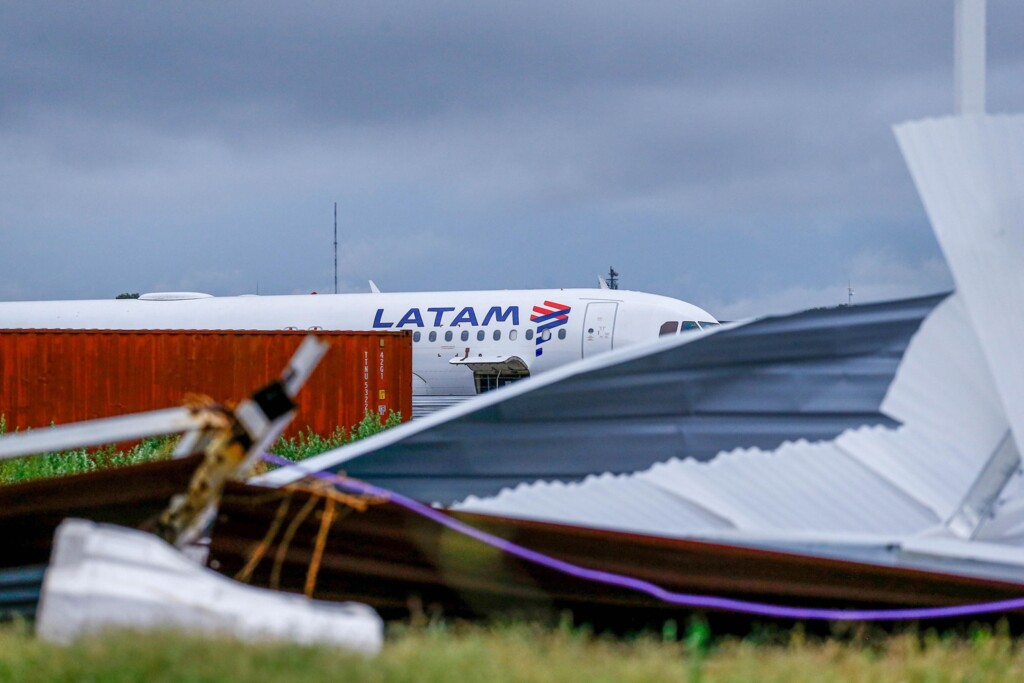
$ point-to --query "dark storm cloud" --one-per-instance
(208, 141)
(373, 62)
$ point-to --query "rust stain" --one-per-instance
(61, 376)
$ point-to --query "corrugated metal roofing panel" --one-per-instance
(871, 480)
(809, 375)
(929, 470)
(645, 507)
(387, 555)
(1007, 525)
(943, 386)
(800, 487)
(969, 171)
(953, 419)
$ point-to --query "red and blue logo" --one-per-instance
(548, 317)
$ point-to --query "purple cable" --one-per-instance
(683, 599)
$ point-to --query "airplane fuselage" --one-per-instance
(463, 342)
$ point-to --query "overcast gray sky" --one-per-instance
(735, 154)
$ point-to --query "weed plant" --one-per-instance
(78, 461)
(309, 443)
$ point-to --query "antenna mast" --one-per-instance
(969, 58)
(335, 247)
(613, 278)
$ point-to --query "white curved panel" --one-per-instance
(969, 172)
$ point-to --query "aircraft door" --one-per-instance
(598, 327)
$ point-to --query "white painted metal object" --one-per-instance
(105, 577)
(100, 432)
(969, 172)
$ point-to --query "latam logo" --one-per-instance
(446, 316)
(548, 317)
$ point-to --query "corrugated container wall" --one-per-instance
(61, 376)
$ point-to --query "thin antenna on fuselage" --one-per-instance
(335, 247)
(969, 57)
(613, 279)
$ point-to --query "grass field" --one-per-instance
(517, 652)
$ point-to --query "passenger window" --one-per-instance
(465, 335)
(529, 335)
(497, 335)
(689, 326)
(433, 336)
(513, 334)
(448, 335)
(561, 334)
(546, 336)
(671, 327)
(480, 335)
(416, 336)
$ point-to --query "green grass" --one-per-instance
(309, 443)
(48, 465)
(515, 652)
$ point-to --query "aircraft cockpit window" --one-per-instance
(448, 335)
(480, 335)
(529, 335)
(497, 335)
(689, 326)
(707, 324)
(432, 336)
(513, 334)
(670, 327)
(465, 335)
(561, 334)
(416, 336)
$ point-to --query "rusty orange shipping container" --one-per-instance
(61, 376)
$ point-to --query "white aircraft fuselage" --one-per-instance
(463, 342)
